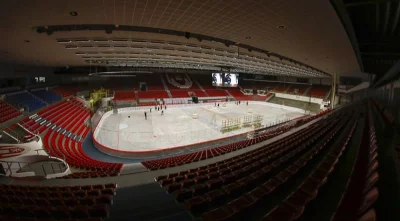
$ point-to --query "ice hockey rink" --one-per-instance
(128, 130)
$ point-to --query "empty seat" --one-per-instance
(216, 197)
(279, 213)
(196, 205)
(100, 211)
(199, 189)
(368, 200)
(368, 216)
(183, 194)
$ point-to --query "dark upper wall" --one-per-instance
(20, 71)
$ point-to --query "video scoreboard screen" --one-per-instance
(225, 79)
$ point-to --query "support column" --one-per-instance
(391, 96)
(333, 90)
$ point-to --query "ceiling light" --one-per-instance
(281, 27)
(73, 13)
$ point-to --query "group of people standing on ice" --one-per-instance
(157, 108)
(237, 103)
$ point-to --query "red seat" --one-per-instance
(219, 214)
(279, 213)
(101, 211)
(196, 204)
(199, 189)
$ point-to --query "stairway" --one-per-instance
(163, 82)
(198, 84)
(287, 88)
(169, 93)
(271, 95)
(230, 94)
(165, 85)
(328, 94)
(307, 90)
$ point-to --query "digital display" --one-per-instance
(225, 79)
(217, 79)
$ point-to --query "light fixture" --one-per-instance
(73, 13)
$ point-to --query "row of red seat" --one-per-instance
(216, 93)
(72, 118)
(7, 112)
(361, 191)
(179, 93)
(54, 114)
(209, 153)
(50, 203)
(152, 94)
(124, 96)
(387, 115)
(293, 206)
(319, 91)
(299, 88)
(62, 146)
(210, 188)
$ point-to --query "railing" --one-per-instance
(13, 168)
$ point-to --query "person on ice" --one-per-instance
(150, 110)
(145, 115)
(162, 112)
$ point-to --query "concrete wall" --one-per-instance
(300, 98)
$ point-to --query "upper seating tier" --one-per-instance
(319, 91)
(25, 99)
(152, 94)
(124, 96)
(47, 95)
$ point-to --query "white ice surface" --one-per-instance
(129, 131)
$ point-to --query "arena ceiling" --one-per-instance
(374, 29)
(259, 36)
